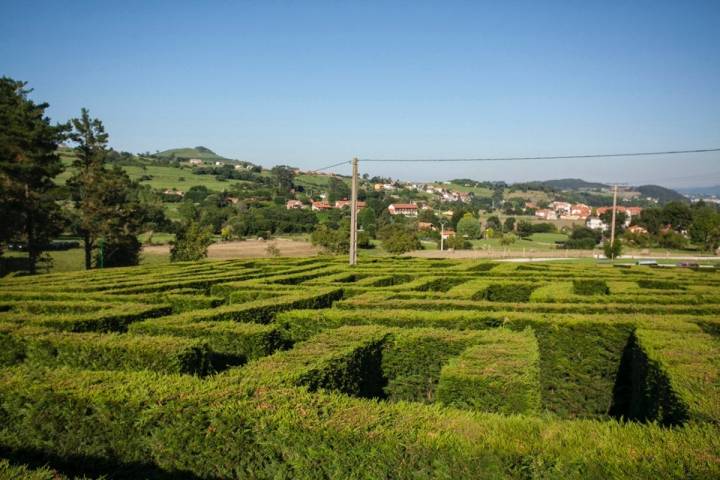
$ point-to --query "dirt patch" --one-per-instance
(247, 249)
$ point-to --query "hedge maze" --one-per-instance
(396, 368)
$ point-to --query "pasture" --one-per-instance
(395, 368)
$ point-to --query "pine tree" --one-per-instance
(28, 163)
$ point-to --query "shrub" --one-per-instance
(612, 250)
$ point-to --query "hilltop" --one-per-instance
(202, 153)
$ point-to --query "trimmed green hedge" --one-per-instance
(508, 292)
(346, 360)
(412, 359)
(501, 374)
(262, 311)
(114, 319)
(590, 287)
(231, 342)
(219, 430)
(675, 378)
(110, 351)
(660, 284)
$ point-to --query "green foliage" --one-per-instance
(28, 163)
(457, 242)
(117, 352)
(590, 287)
(501, 374)
(469, 226)
(397, 239)
(333, 240)
(613, 250)
(582, 238)
(509, 292)
(191, 243)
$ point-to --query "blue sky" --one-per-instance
(315, 83)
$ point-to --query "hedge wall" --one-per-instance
(501, 375)
(590, 287)
(136, 424)
(412, 359)
(232, 343)
(112, 351)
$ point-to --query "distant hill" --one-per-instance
(662, 194)
(701, 191)
(202, 153)
(573, 184)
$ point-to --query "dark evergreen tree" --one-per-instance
(28, 164)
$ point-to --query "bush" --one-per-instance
(612, 250)
(191, 243)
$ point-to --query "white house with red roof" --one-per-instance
(407, 209)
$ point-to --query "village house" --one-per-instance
(195, 162)
(629, 212)
(407, 209)
(320, 206)
(293, 204)
(447, 233)
(637, 229)
(425, 226)
(562, 208)
(219, 164)
(346, 203)
(579, 211)
(546, 214)
(595, 223)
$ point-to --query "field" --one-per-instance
(397, 368)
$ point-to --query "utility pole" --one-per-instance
(612, 226)
(353, 213)
(442, 235)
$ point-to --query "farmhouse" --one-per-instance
(195, 162)
(320, 206)
(346, 203)
(637, 229)
(407, 209)
(293, 204)
(546, 214)
(595, 223)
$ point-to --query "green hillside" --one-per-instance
(202, 153)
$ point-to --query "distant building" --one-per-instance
(407, 209)
(293, 204)
(637, 229)
(425, 226)
(177, 193)
(320, 206)
(219, 164)
(595, 223)
(447, 233)
(546, 214)
(562, 208)
(195, 161)
(629, 212)
(346, 203)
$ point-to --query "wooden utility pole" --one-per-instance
(612, 226)
(442, 235)
(353, 213)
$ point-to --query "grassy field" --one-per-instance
(396, 368)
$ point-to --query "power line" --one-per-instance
(331, 166)
(549, 157)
